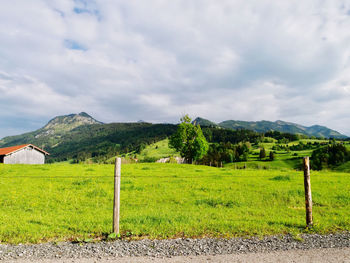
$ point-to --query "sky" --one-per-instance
(157, 60)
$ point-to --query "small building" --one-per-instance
(22, 154)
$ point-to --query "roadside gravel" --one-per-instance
(173, 247)
(319, 255)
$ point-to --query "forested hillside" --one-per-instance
(280, 126)
(101, 142)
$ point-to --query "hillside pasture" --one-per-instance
(41, 203)
(156, 151)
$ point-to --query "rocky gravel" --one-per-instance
(173, 247)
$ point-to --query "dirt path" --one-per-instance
(300, 256)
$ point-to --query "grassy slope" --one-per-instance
(63, 202)
(158, 150)
(283, 160)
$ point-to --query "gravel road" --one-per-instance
(321, 255)
(277, 248)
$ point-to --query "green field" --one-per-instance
(41, 203)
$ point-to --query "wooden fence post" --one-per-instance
(116, 203)
(307, 186)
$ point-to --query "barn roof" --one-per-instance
(9, 150)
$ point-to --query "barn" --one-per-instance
(22, 154)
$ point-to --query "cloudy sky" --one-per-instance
(156, 60)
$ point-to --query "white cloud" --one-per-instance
(154, 60)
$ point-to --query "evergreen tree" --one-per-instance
(262, 153)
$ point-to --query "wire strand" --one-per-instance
(142, 176)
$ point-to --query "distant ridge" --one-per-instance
(281, 126)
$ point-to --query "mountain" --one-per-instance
(264, 126)
(62, 124)
(321, 131)
(51, 133)
(281, 126)
(79, 136)
(204, 122)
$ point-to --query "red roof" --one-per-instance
(8, 150)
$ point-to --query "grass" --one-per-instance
(345, 167)
(158, 150)
(40, 203)
(153, 152)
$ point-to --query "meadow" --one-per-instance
(65, 202)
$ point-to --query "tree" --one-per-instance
(272, 156)
(262, 153)
(332, 155)
(189, 140)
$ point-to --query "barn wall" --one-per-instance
(26, 155)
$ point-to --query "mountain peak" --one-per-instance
(84, 114)
(204, 122)
(69, 122)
